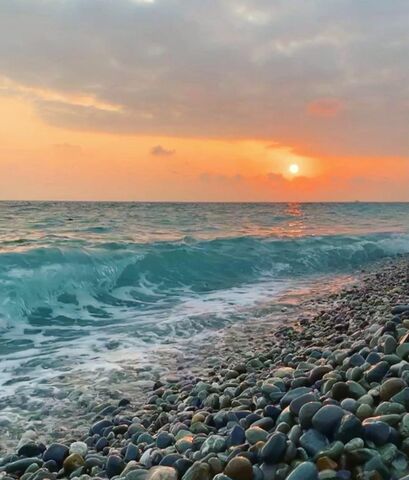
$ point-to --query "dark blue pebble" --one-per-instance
(274, 449)
(237, 435)
(313, 441)
(350, 427)
(377, 432)
(271, 411)
(56, 452)
(98, 427)
(377, 372)
(170, 460)
(373, 358)
(114, 466)
(31, 449)
(51, 465)
(182, 466)
(101, 444)
(132, 453)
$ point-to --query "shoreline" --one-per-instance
(239, 412)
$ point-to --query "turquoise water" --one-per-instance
(86, 280)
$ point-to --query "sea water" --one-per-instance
(91, 283)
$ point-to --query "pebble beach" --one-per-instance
(325, 396)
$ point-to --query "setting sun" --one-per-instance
(294, 168)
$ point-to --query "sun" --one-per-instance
(294, 168)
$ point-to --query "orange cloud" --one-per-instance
(325, 107)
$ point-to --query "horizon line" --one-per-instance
(203, 201)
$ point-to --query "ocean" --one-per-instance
(90, 284)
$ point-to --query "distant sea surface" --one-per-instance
(82, 281)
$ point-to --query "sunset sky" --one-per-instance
(204, 100)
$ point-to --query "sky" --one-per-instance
(204, 100)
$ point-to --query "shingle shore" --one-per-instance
(328, 398)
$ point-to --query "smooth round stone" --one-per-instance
(400, 308)
(366, 399)
(327, 475)
(356, 360)
(389, 345)
(402, 397)
(237, 435)
(307, 411)
(364, 411)
(101, 444)
(114, 466)
(313, 441)
(31, 449)
(216, 465)
(20, 466)
(271, 411)
(349, 428)
(377, 372)
(354, 444)
(139, 474)
(388, 452)
(72, 462)
(377, 432)
(295, 433)
(170, 459)
(297, 403)
(266, 423)
(274, 450)
(145, 438)
(327, 419)
(391, 387)
(164, 440)
(198, 471)
(340, 390)
(304, 471)
(318, 372)
(387, 408)
(334, 450)
(293, 394)
(349, 404)
(162, 473)
(256, 434)
(326, 463)
(239, 468)
(98, 427)
(182, 466)
(404, 426)
(355, 389)
(79, 447)
(402, 350)
(183, 444)
(56, 452)
(373, 358)
(215, 443)
(132, 453)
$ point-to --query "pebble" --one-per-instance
(162, 473)
(239, 468)
(327, 419)
(273, 451)
(391, 387)
(304, 471)
(56, 452)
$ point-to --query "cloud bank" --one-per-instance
(325, 76)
